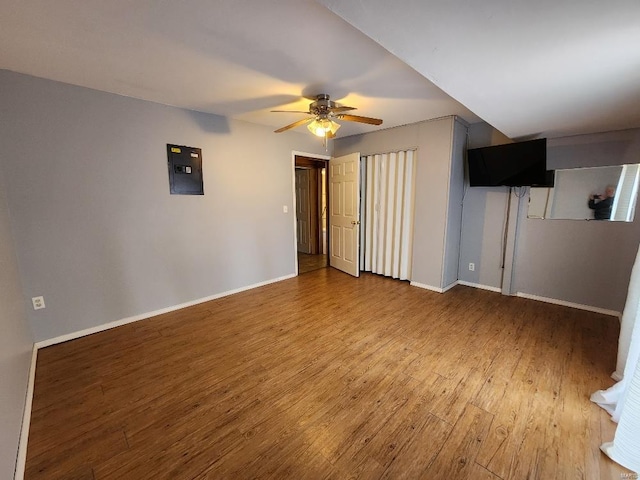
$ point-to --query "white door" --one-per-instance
(344, 213)
(303, 210)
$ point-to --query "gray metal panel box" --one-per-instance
(185, 170)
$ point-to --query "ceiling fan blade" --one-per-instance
(290, 111)
(294, 125)
(356, 118)
(341, 109)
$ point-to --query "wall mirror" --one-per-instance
(578, 193)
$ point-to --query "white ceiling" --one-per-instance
(544, 67)
(525, 67)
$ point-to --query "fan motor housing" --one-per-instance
(321, 105)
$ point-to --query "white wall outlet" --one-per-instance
(285, 209)
(38, 303)
(472, 267)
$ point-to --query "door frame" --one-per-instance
(311, 156)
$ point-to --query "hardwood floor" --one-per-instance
(324, 376)
(309, 263)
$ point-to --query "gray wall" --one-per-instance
(433, 140)
(578, 261)
(483, 220)
(16, 344)
(98, 233)
(454, 213)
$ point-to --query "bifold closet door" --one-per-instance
(387, 213)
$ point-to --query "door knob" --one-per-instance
(353, 222)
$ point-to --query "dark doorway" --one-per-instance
(311, 213)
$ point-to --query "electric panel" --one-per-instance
(185, 170)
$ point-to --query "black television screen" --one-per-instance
(514, 165)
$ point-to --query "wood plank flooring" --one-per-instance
(324, 376)
(309, 263)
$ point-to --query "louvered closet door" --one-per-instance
(387, 213)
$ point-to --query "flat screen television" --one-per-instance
(514, 165)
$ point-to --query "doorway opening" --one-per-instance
(311, 213)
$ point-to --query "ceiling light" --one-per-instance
(323, 126)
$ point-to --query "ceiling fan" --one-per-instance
(323, 111)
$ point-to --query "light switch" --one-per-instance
(285, 209)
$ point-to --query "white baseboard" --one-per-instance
(21, 460)
(457, 282)
(480, 286)
(427, 287)
(579, 306)
(142, 316)
(538, 298)
(449, 287)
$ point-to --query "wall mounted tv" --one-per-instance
(514, 165)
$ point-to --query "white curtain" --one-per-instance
(622, 400)
(387, 213)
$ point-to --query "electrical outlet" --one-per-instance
(472, 267)
(38, 303)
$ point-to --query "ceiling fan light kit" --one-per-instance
(323, 111)
(323, 127)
